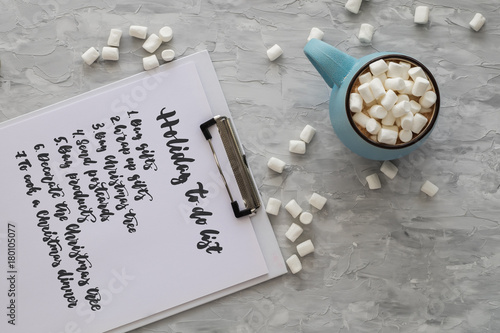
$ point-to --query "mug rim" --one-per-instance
(429, 126)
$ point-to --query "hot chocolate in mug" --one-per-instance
(341, 71)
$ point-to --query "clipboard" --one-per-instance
(268, 263)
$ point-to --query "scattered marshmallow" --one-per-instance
(274, 52)
(373, 181)
(355, 102)
(419, 121)
(307, 133)
(387, 136)
(293, 232)
(276, 164)
(305, 248)
(273, 206)
(316, 33)
(90, 56)
(366, 33)
(477, 22)
(421, 15)
(317, 201)
(379, 67)
(429, 188)
(389, 169)
(150, 62)
(297, 146)
(293, 208)
(305, 218)
(353, 6)
(152, 43)
(114, 37)
(166, 34)
(138, 31)
(294, 264)
(110, 53)
(168, 55)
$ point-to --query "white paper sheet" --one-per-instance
(129, 222)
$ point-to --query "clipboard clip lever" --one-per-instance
(238, 162)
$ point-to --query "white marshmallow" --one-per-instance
(90, 56)
(406, 66)
(405, 135)
(353, 6)
(428, 99)
(377, 112)
(114, 37)
(307, 133)
(416, 72)
(168, 55)
(297, 147)
(387, 136)
(365, 78)
(382, 77)
(138, 31)
(293, 232)
(317, 201)
(477, 22)
(361, 119)
(425, 110)
(293, 208)
(166, 34)
(110, 53)
(379, 67)
(389, 100)
(389, 119)
(366, 93)
(273, 206)
(373, 181)
(407, 121)
(415, 107)
(408, 87)
(274, 52)
(152, 43)
(276, 164)
(389, 169)
(305, 248)
(294, 264)
(403, 97)
(355, 102)
(306, 218)
(421, 15)
(401, 109)
(429, 188)
(419, 122)
(366, 33)
(150, 62)
(373, 126)
(396, 70)
(316, 33)
(420, 87)
(377, 88)
(396, 83)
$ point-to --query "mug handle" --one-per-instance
(333, 64)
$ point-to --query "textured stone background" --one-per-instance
(391, 260)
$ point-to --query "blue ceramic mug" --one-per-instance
(340, 71)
